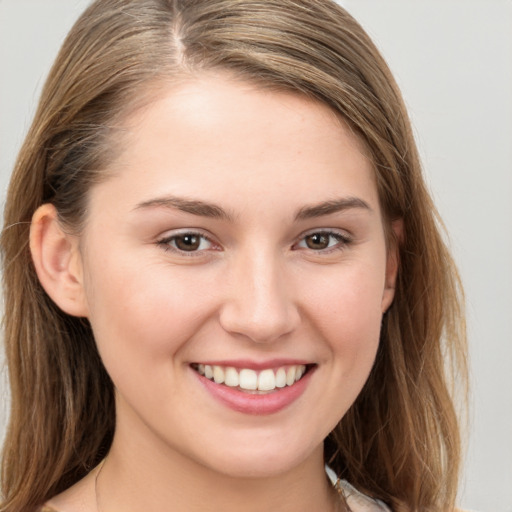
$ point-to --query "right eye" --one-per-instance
(187, 243)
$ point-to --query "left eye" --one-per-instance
(322, 240)
(187, 242)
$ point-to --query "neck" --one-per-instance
(151, 476)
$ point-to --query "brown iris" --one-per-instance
(318, 241)
(188, 242)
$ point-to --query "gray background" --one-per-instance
(453, 60)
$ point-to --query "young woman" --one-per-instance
(225, 287)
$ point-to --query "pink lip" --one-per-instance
(264, 404)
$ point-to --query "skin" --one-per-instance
(254, 290)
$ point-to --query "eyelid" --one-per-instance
(165, 240)
(343, 237)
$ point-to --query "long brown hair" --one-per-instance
(400, 440)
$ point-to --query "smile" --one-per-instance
(249, 380)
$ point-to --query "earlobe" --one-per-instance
(392, 263)
(57, 261)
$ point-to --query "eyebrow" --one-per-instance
(206, 209)
(193, 206)
(330, 207)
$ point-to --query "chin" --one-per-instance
(256, 462)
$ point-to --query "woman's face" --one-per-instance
(240, 235)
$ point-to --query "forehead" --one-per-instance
(214, 134)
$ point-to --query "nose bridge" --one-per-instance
(260, 304)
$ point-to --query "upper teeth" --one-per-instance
(245, 378)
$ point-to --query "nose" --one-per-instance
(260, 304)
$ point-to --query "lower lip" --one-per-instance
(264, 404)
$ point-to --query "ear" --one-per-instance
(392, 263)
(57, 261)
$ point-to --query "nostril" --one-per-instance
(260, 326)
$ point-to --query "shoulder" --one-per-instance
(359, 502)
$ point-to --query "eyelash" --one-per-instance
(166, 243)
(342, 241)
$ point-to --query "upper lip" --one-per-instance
(254, 365)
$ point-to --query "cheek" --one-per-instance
(143, 312)
(347, 312)
(143, 317)
(344, 312)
